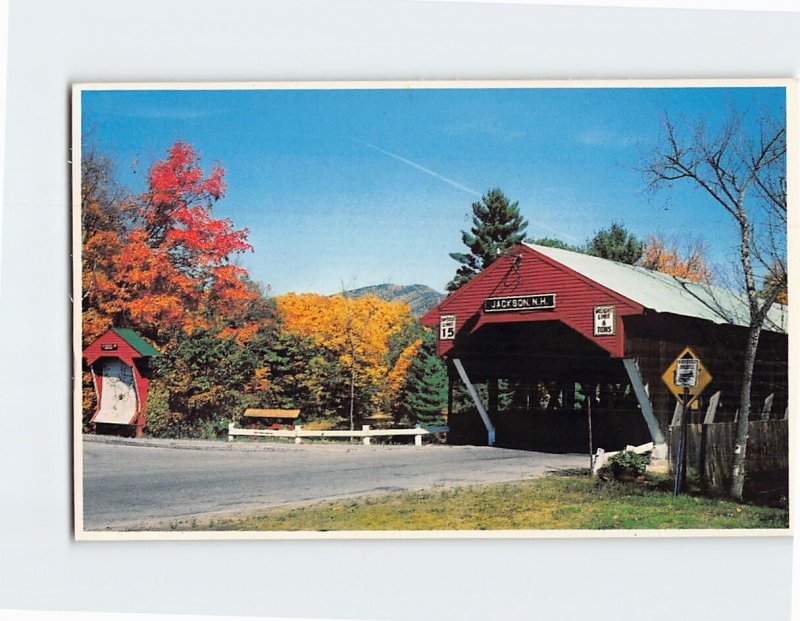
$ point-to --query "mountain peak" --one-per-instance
(420, 298)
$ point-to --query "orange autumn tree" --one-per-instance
(180, 228)
(362, 335)
(669, 258)
(161, 263)
(167, 266)
(107, 213)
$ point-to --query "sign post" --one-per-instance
(591, 447)
(686, 378)
(680, 462)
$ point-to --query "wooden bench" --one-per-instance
(281, 417)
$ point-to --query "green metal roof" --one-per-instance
(136, 341)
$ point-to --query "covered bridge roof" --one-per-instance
(664, 293)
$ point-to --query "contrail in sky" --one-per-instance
(447, 180)
(419, 167)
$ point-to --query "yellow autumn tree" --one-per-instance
(360, 333)
(670, 258)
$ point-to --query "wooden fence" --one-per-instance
(710, 446)
(298, 433)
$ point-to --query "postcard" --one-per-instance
(432, 309)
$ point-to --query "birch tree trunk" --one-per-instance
(743, 423)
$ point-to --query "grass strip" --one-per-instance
(555, 502)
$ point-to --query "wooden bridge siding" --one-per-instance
(656, 340)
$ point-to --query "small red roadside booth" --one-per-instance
(119, 363)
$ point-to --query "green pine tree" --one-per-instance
(424, 395)
(496, 226)
(617, 244)
(553, 242)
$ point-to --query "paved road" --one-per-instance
(134, 482)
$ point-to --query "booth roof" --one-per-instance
(664, 293)
(136, 341)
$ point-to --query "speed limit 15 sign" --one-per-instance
(447, 327)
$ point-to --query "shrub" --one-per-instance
(629, 463)
(160, 421)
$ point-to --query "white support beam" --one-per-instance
(767, 409)
(475, 399)
(644, 401)
(713, 404)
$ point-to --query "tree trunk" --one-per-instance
(352, 392)
(743, 423)
(493, 393)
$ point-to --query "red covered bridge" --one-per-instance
(544, 333)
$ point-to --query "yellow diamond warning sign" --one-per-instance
(686, 371)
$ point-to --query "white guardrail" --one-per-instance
(298, 433)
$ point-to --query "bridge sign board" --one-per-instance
(512, 303)
(447, 327)
(686, 372)
(604, 320)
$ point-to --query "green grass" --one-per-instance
(556, 502)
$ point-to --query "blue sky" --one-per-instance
(359, 187)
